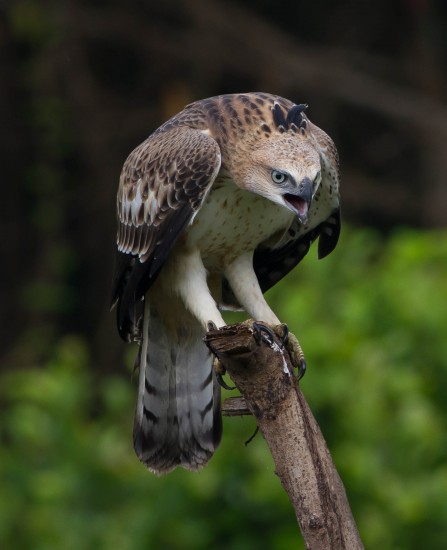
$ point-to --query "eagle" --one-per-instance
(213, 209)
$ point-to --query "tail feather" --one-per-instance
(177, 420)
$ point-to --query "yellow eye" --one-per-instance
(278, 177)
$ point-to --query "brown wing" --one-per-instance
(162, 185)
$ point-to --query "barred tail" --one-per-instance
(177, 419)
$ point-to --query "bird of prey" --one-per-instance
(213, 208)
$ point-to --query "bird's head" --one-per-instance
(286, 169)
(279, 159)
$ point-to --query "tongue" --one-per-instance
(298, 205)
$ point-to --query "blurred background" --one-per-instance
(81, 84)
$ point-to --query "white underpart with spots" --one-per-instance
(232, 222)
(228, 228)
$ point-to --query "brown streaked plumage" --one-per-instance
(214, 208)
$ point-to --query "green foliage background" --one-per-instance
(372, 319)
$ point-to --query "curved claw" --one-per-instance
(302, 369)
(285, 336)
(290, 342)
(263, 333)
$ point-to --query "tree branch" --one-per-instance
(263, 373)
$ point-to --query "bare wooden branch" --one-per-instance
(235, 406)
(264, 375)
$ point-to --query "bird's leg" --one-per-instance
(291, 343)
(193, 289)
(244, 283)
(263, 333)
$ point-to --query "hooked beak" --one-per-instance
(300, 201)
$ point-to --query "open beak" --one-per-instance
(300, 201)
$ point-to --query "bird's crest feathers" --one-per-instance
(294, 120)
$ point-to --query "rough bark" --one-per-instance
(264, 375)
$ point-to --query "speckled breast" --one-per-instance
(233, 221)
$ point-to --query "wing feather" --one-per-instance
(162, 185)
(271, 265)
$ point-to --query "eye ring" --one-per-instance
(278, 177)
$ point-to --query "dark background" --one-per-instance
(83, 82)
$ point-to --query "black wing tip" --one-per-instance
(272, 265)
(121, 299)
(329, 235)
